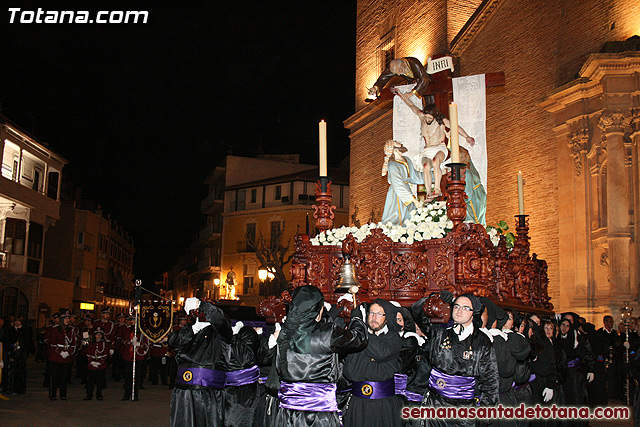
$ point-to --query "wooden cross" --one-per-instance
(441, 87)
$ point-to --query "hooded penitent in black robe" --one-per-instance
(241, 401)
(471, 357)
(197, 405)
(580, 361)
(307, 357)
(386, 354)
(597, 389)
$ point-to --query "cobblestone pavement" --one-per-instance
(35, 409)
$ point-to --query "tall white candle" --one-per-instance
(454, 133)
(323, 147)
(520, 194)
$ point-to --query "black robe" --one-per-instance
(575, 386)
(319, 365)
(515, 348)
(197, 405)
(385, 355)
(447, 354)
(597, 389)
(241, 402)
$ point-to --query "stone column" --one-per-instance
(615, 124)
(579, 144)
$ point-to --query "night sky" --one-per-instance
(144, 112)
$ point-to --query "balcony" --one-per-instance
(214, 201)
(211, 231)
(209, 263)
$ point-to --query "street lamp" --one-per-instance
(216, 281)
(181, 299)
(263, 274)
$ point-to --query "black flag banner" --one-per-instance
(156, 319)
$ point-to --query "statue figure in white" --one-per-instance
(433, 129)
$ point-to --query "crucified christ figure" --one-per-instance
(433, 129)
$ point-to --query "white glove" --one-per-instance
(239, 325)
(590, 376)
(327, 306)
(198, 326)
(626, 345)
(395, 304)
(135, 342)
(111, 352)
(64, 354)
(95, 364)
(547, 394)
(191, 304)
(278, 326)
(258, 331)
(348, 297)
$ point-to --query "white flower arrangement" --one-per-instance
(429, 222)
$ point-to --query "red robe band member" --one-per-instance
(96, 352)
(132, 341)
(107, 325)
(62, 345)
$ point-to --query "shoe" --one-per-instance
(52, 398)
(98, 397)
(87, 398)
(126, 398)
(63, 398)
(135, 399)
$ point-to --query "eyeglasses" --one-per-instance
(462, 307)
(374, 314)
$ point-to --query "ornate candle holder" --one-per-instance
(521, 244)
(323, 209)
(456, 204)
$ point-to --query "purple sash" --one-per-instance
(314, 397)
(374, 389)
(200, 376)
(523, 385)
(573, 363)
(242, 376)
(262, 380)
(452, 386)
(413, 397)
(400, 383)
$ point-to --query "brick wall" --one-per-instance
(539, 45)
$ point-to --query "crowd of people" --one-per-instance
(321, 368)
(315, 369)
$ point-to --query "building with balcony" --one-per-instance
(247, 196)
(95, 254)
(29, 204)
(272, 210)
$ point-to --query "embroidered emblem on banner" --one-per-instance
(441, 383)
(467, 355)
(367, 390)
(187, 376)
(156, 319)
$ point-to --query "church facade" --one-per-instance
(568, 117)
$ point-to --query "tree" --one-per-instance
(273, 256)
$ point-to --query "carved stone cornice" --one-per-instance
(464, 37)
(615, 120)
